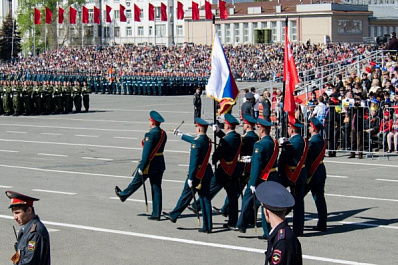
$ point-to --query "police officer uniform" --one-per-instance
(316, 173)
(33, 240)
(197, 103)
(247, 106)
(292, 172)
(263, 168)
(198, 178)
(283, 246)
(151, 166)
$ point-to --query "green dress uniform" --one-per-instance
(200, 146)
(86, 97)
(151, 166)
(68, 100)
(264, 152)
(16, 99)
(7, 100)
(293, 152)
(57, 96)
(316, 173)
(37, 97)
(1, 99)
(27, 92)
(77, 98)
(47, 96)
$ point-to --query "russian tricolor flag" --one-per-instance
(221, 85)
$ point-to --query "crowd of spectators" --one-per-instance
(248, 62)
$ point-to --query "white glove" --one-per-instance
(190, 183)
(140, 172)
(215, 128)
(246, 159)
(282, 140)
(178, 132)
(253, 189)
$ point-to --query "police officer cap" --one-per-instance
(316, 123)
(18, 199)
(264, 123)
(231, 119)
(201, 122)
(249, 119)
(296, 124)
(274, 196)
(155, 116)
(249, 95)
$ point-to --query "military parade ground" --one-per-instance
(73, 162)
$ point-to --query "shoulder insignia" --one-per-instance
(196, 138)
(281, 234)
(146, 139)
(276, 256)
(31, 246)
(193, 146)
(33, 229)
(257, 150)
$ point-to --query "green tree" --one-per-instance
(10, 40)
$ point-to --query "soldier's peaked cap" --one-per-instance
(231, 119)
(201, 122)
(316, 123)
(264, 123)
(296, 124)
(274, 196)
(155, 116)
(249, 119)
(18, 199)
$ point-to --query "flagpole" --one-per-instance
(45, 37)
(284, 132)
(214, 107)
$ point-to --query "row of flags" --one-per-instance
(122, 10)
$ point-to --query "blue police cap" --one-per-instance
(155, 116)
(274, 196)
(18, 199)
(231, 119)
(201, 122)
(296, 124)
(249, 95)
(316, 123)
(249, 119)
(264, 123)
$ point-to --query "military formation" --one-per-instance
(242, 161)
(43, 97)
(140, 83)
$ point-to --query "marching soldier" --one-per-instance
(16, 97)
(67, 94)
(151, 165)
(37, 97)
(7, 98)
(263, 168)
(47, 95)
(86, 97)
(199, 176)
(1, 97)
(57, 96)
(316, 172)
(291, 167)
(283, 246)
(197, 103)
(27, 92)
(33, 243)
(77, 97)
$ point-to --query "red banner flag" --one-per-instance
(97, 15)
(49, 16)
(151, 12)
(108, 10)
(180, 10)
(223, 9)
(291, 79)
(123, 17)
(85, 15)
(209, 14)
(137, 13)
(195, 11)
(37, 16)
(72, 15)
(163, 12)
(60, 15)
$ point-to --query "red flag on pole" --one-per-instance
(72, 15)
(97, 14)
(108, 10)
(209, 14)
(291, 79)
(60, 15)
(195, 11)
(37, 16)
(49, 16)
(223, 9)
(85, 15)
(151, 12)
(163, 12)
(123, 17)
(137, 13)
(180, 10)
